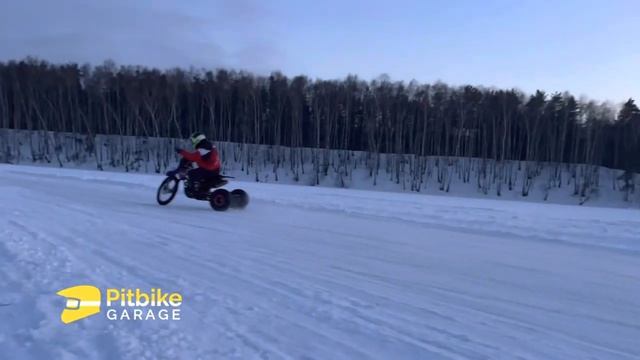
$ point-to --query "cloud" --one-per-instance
(155, 33)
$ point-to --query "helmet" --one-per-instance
(196, 138)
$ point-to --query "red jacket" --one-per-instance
(205, 158)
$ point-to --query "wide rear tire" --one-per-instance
(220, 200)
(239, 199)
(167, 190)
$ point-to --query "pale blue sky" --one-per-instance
(588, 47)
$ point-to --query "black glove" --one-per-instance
(178, 150)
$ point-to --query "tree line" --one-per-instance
(377, 117)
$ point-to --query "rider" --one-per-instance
(205, 156)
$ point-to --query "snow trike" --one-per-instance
(219, 199)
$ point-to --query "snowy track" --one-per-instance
(316, 273)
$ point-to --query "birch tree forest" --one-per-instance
(403, 132)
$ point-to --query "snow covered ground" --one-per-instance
(315, 273)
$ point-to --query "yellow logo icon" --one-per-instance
(82, 301)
